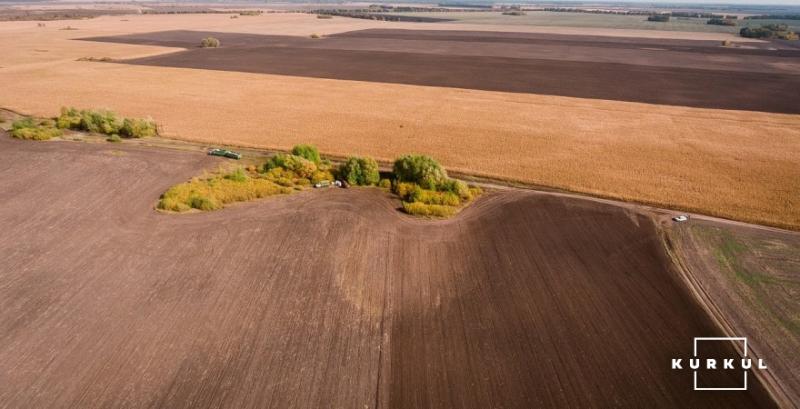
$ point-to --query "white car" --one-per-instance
(681, 218)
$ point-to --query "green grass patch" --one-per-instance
(729, 253)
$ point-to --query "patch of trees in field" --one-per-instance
(649, 13)
(597, 11)
(199, 10)
(769, 31)
(419, 181)
(774, 17)
(94, 121)
(368, 14)
(660, 18)
(721, 22)
(105, 122)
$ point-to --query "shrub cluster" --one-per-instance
(209, 42)
(283, 173)
(420, 169)
(309, 152)
(299, 165)
(426, 210)
(721, 21)
(29, 128)
(660, 18)
(426, 190)
(770, 31)
(105, 122)
(360, 171)
(213, 192)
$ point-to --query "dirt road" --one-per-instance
(326, 298)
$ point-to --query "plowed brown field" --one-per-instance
(669, 72)
(326, 298)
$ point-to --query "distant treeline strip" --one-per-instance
(637, 12)
(467, 5)
(774, 17)
(203, 11)
(371, 15)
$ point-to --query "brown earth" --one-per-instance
(327, 298)
(667, 72)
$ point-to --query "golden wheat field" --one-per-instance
(740, 165)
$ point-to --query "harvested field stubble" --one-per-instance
(327, 298)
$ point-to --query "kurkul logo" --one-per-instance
(697, 363)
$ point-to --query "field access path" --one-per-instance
(326, 298)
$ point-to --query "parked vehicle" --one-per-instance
(680, 218)
(225, 153)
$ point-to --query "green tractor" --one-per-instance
(225, 153)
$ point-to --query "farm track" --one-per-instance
(669, 72)
(326, 298)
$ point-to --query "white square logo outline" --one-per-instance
(694, 354)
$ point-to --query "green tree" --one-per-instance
(309, 152)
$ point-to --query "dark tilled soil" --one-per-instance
(327, 298)
(673, 72)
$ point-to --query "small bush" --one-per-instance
(420, 169)
(385, 184)
(405, 190)
(457, 187)
(114, 138)
(324, 16)
(101, 121)
(203, 203)
(300, 166)
(29, 128)
(209, 42)
(434, 197)
(315, 36)
(237, 175)
(138, 128)
(320, 176)
(428, 210)
(360, 171)
(70, 118)
(309, 152)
